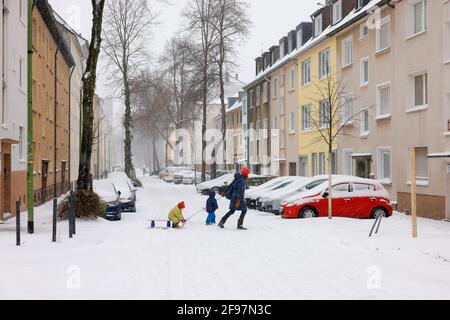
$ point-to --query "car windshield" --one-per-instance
(104, 188)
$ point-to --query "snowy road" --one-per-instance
(275, 259)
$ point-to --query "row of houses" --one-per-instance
(59, 56)
(393, 59)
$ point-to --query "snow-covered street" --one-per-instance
(274, 259)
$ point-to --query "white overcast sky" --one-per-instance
(272, 19)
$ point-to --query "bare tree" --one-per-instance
(232, 26)
(200, 15)
(127, 30)
(331, 112)
(84, 182)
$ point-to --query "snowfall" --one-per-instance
(275, 259)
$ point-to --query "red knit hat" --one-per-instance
(181, 205)
(245, 171)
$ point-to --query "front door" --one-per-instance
(363, 167)
(303, 166)
(44, 181)
(6, 183)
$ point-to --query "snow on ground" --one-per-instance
(274, 259)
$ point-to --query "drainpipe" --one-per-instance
(30, 166)
(70, 127)
(55, 166)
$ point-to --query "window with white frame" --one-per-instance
(384, 34)
(363, 31)
(318, 25)
(364, 69)
(300, 38)
(418, 16)
(348, 162)
(292, 78)
(384, 99)
(266, 129)
(306, 72)
(321, 163)
(275, 87)
(420, 89)
(347, 110)
(324, 63)
(385, 164)
(306, 118)
(265, 92)
(282, 106)
(422, 164)
(365, 122)
(291, 124)
(314, 164)
(359, 4)
(324, 114)
(275, 127)
(347, 51)
(282, 50)
(447, 38)
(337, 11)
(258, 96)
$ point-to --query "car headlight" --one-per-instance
(289, 204)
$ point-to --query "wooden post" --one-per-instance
(18, 223)
(412, 152)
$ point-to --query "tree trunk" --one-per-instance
(128, 125)
(205, 102)
(330, 182)
(84, 182)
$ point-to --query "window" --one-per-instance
(347, 111)
(292, 123)
(314, 164)
(385, 164)
(275, 88)
(321, 163)
(252, 98)
(300, 38)
(258, 129)
(306, 72)
(258, 96)
(364, 71)
(21, 143)
(365, 122)
(282, 50)
(384, 34)
(266, 129)
(422, 164)
(265, 92)
(420, 90)
(384, 100)
(252, 132)
(347, 51)
(21, 72)
(318, 25)
(348, 161)
(275, 128)
(418, 14)
(292, 78)
(359, 4)
(324, 63)
(282, 106)
(363, 31)
(306, 118)
(337, 11)
(324, 114)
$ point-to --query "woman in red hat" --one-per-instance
(236, 194)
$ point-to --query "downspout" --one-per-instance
(55, 166)
(30, 166)
(70, 127)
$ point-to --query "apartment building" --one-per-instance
(13, 107)
(235, 157)
(52, 65)
(79, 48)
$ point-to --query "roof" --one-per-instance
(46, 12)
(235, 106)
(328, 32)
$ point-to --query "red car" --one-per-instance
(352, 198)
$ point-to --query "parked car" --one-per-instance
(217, 185)
(127, 194)
(108, 193)
(189, 177)
(252, 200)
(170, 172)
(272, 202)
(352, 197)
(264, 186)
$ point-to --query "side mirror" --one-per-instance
(325, 195)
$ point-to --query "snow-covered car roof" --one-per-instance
(267, 185)
(280, 185)
(105, 189)
(295, 186)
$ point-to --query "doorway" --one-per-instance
(6, 183)
(44, 181)
(303, 166)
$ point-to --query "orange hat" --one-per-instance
(181, 205)
(245, 171)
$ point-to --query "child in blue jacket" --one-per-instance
(211, 207)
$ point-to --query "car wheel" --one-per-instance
(379, 211)
(308, 213)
